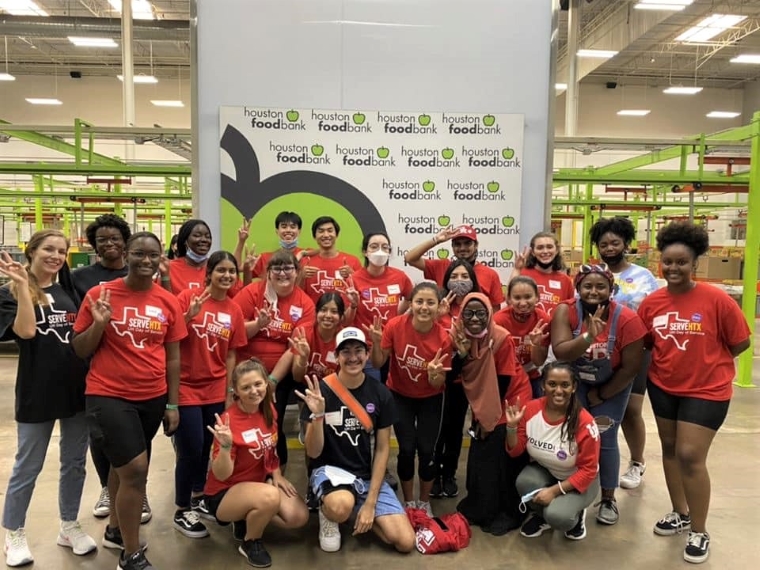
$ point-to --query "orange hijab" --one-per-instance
(479, 378)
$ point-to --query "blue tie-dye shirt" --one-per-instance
(633, 285)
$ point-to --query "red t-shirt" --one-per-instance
(254, 450)
(380, 296)
(488, 280)
(553, 288)
(629, 329)
(691, 335)
(259, 270)
(130, 362)
(323, 359)
(295, 310)
(184, 276)
(410, 354)
(218, 327)
(328, 276)
(521, 335)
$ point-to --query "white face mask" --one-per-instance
(378, 258)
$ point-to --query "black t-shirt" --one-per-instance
(50, 378)
(85, 278)
(347, 443)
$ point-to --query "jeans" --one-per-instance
(614, 408)
(33, 441)
(192, 442)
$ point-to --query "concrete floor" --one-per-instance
(734, 465)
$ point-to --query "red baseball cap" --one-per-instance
(466, 231)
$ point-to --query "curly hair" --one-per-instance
(107, 221)
(621, 227)
(558, 264)
(691, 235)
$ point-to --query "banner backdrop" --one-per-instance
(409, 174)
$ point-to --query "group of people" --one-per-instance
(214, 346)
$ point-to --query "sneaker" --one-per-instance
(578, 532)
(410, 504)
(189, 523)
(136, 561)
(672, 523)
(697, 547)
(436, 491)
(16, 549)
(255, 553)
(329, 534)
(112, 539)
(632, 478)
(450, 487)
(312, 503)
(391, 480)
(72, 536)
(102, 508)
(425, 506)
(608, 512)
(198, 504)
(239, 530)
(146, 514)
(534, 527)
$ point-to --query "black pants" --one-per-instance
(449, 446)
(417, 431)
(283, 392)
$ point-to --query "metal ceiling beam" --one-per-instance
(63, 26)
(70, 168)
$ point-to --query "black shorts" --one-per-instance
(122, 428)
(212, 504)
(705, 413)
(640, 381)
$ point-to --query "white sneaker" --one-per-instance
(632, 477)
(146, 514)
(410, 505)
(103, 507)
(329, 534)
(425, 506)
(16, 549)
(72, 536)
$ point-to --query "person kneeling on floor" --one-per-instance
(342, 411)
(245, 486)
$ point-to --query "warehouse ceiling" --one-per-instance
(647, 52)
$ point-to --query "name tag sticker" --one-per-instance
(224, 318)
(394, 290)
(554, 284)
(331, 357)
(249, 435)
(333, 419)
(152, 311)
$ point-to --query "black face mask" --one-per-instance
(613, 260)
(590, 308)
(545, 265)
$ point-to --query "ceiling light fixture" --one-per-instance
(597, 53)
(746, 58)
(560, 86)
(167, 103)
(22, 8)
(93, 42)
(634, 112)
(722, 114)
(43, 101)
(141, 78)
(710, 27)
(679, 90)
(663, 5)
(141, 9)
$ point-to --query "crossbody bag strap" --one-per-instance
(345, 396)
(612, 335)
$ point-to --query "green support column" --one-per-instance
(167, 220)
(39, 187)
(751, 252)
(587, 223)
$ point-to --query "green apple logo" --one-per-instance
(506, 254)
(508, 153)
(423, 120)
(489, 120)
(447, 153)
(507, 221)
(317, 149)
(292, 115)
(383, 152)
(493, 186)
(359, 118)
(444, 221)
(442, 253)
(428, 186)
(504, 290)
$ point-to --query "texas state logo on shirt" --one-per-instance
(321, 368)
(678, 329)
(51, 321)
(378, 303)
(141, 325)
(277, 327)
(547, 300)
(325, 283)
(215, 326)
(343, 423)
(258, 442)
(411, 362)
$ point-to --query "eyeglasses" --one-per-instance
(480, 314)
(108, 239)
(376, 246)
(284, 269)
(144, 254)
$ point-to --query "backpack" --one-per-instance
(447, 533)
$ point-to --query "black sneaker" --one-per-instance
(578, 532)
(189, 523)
(672, 523)
(255, 553)
(239, 528)
(136, 561)
(535, 526)
(450, 487)
(198, 504)
(112, 539)
(697, 547)
(311, 500)
(436, 492)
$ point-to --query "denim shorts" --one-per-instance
(387, 501)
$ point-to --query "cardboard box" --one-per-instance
(719, 268)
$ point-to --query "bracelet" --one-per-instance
(319, 418)
(225, 447)
(172, 407)
(273, 380)
(559, 483)
(435, 241)
(587, 337)
(165, 279)
(511, 429)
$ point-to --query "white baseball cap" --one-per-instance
(350, 333)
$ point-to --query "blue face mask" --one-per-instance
(526, 498)
(288, 245)
(195, 257)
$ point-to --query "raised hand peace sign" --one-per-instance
(100, 308)
(243, 232)
(514, 413)
(298, 342)
(436, 371)
(196, 302)
(250, 257)
(444, 307)
(376, 330)
(595, 323)
(264, 316)
(461, 341)
(345, 269)
(351, 292)
(221, 430)
(539, 335)
(13, 270)
(522, 258)
(312, 397)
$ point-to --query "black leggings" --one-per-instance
(450, 441)
(417, 430)
(283, 391)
